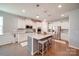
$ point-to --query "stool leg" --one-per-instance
(51, 43)
(46, 47)
(42, 49)
(38, 48)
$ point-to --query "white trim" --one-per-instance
(32, 48)
(73, 46)
(59, 41)
(5, 43)
(23, 44)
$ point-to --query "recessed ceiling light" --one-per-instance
(62, 15)
(37, 5)
(23, 10)
(37, 16)
(59, 6)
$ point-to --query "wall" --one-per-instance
(64, 23)
(9, 26)
(74, 28)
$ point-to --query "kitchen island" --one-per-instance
(33, 39)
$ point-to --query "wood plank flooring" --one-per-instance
(58, 49)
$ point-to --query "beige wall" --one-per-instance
(74, 28)
(9, 28)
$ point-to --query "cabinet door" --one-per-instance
(21, 37)
(35, 45)
(21, 23)
(29, 44)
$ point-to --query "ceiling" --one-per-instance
(48, 11)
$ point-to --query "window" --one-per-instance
(1, 25)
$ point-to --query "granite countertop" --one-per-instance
(39, 36)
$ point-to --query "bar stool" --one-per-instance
(42, 46)
(49, 42)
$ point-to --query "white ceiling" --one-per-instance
(45, 11)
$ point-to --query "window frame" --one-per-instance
(1, 25)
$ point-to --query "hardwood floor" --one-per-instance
(58, 49)
(13, 50)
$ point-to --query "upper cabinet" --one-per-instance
(21, 23)
(65, 25)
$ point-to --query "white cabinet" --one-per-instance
(22, 37)
(21, 23)
(44, 26)
(65, 25)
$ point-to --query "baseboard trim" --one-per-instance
(73, 47)
(60, 41)
(6, 44)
